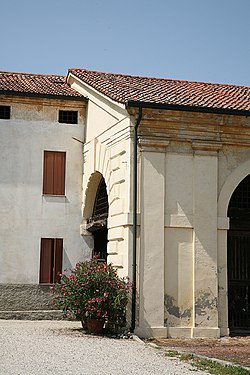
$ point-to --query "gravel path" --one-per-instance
(59, 347)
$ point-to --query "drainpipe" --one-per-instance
(133, 307)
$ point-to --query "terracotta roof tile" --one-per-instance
(36, 84)
(122, 88)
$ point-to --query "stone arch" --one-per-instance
(95, 214)
(90, 194)
(224, 197)
(230, 185)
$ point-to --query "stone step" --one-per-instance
(32, 315)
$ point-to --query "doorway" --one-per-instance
(238, 263)
(97, 223)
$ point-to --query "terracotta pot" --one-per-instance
(95, 325)
(84, 324)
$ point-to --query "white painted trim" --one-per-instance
(223, 223)
(230, 185)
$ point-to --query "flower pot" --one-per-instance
(95, 325)
(84, 323)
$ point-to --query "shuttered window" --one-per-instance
(54, 173)
(5, 112)
(50, 260)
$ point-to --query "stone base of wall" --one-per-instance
(177, 332)
(32, 315)
(148, 332)
(29, 302)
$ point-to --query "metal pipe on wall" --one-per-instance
(135, 190)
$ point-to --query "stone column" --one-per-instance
(151, 267)
(223, 226)
(205, 241)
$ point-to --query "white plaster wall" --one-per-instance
(179, 239)
(179, 190)
(108, 151)
(27, 215)
(112, 162)
(205, 244)
(188, 246)
(230, 159)
(178, 277)
(151, 268)
(198, 190)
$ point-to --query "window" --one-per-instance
(50, 260)
(4, 112)
(54, 173)
(68, 117)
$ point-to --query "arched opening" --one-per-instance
(238, 262)
(97, 222)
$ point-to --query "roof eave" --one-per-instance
(119, 103)
(175, 107)
(37, 95)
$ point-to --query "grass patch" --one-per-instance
(172, 353)
(208, 365)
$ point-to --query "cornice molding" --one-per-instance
(153, 144)
(204, 148)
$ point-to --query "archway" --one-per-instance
(238, 259)
(97, 222)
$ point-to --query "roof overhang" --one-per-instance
(37, 95)
(174, 107)
(90, 90)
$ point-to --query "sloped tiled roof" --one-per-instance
(122, 88)
(38, 84)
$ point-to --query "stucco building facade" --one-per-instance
(179, 226)
(32, 217)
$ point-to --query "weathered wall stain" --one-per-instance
(174, 310)
(203, 303)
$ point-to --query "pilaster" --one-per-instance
(152, 196)
(205, 284)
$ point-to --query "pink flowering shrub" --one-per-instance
(93, 290)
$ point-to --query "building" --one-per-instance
(166, 180)
(41, 121)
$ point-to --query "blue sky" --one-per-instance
(198, 40)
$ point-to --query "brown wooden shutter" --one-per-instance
(54, 172)
(59, 173)
(50, 260)
(58, 252)
(48, 172)
(46, 260)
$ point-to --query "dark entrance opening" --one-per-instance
(239, 259)
(97, 223)
(100, 243)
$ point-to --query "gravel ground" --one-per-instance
(59, 347)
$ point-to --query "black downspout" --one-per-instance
(133, 307)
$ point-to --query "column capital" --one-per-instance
(206, 148)
(153, 144)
